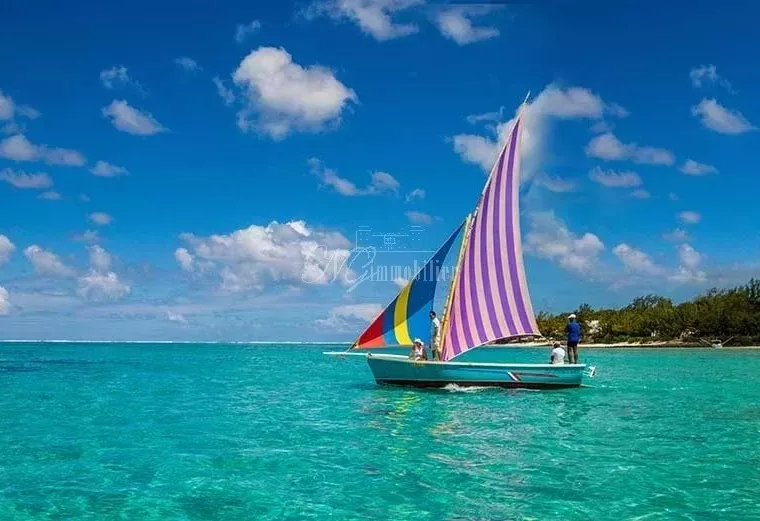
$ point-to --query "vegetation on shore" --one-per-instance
(729, 315)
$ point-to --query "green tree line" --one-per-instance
(715, 315)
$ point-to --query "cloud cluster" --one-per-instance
(250, 258)
(280, 96)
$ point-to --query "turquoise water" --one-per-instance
(235, 432)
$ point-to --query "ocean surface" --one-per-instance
(271, 432)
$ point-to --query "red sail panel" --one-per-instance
(373, 336)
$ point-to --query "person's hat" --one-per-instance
(572, 315)
(418, 341)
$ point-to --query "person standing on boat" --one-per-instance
(573, 331)
(435, 340)
(558, 354)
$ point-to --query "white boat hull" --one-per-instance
(403, 371)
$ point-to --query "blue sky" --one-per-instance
(177, 172)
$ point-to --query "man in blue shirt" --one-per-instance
(573, 330)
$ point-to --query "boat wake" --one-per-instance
(454, 388)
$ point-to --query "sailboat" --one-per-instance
(488, 299)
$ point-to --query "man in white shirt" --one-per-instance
(558, 354)
(435, 341)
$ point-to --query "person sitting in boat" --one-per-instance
(435, 343)
(418, 350)
(558, 354)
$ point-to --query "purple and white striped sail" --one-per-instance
(490, 298)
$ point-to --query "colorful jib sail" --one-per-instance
(490, 299)
(406, 317)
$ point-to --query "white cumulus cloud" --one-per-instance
(374, 17)
(100, 218)
(19, 148)
(97, 286)
(6, 249)
(720, 119)
(281, 96)
(9, 109)
(5, 302)
(104, 169)
(689, 217)
(419, 217)
(456, 23)
(609, 148)
(349, 316)
(641, 194)
(550, 238)
(128, 119)
(380, 182)
(51, 195)
(688, 271)
(555, 183)
(26, 181)
(184, 258)
(612, 179)
(100, 259)
(691, 167)
(636, 261)
(47, 263)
